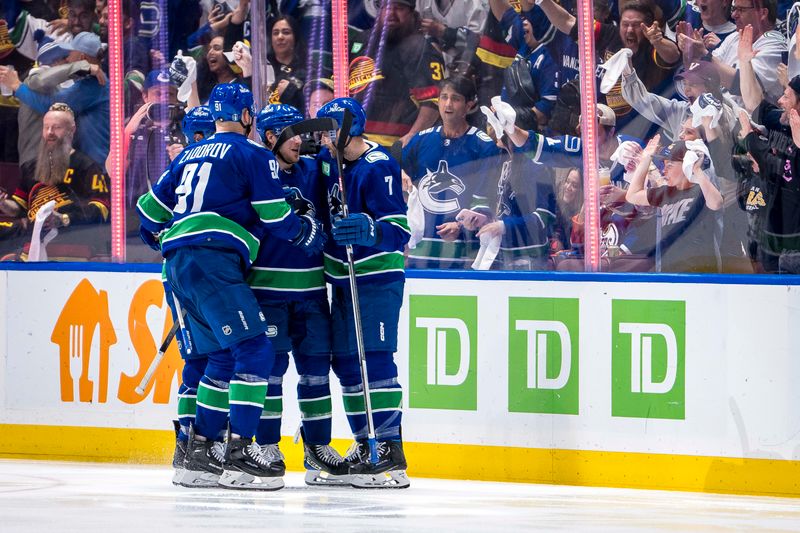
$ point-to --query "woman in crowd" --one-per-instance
(285, 55)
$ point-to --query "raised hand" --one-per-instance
(652, 146)
(745, 52)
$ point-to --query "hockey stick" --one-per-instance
(159, 356)
(341, 142)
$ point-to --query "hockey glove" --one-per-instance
(311, 237)
(150, 239)
(357, 228)
(297, 202)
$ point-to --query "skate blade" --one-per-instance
(234, 479)
(319, 478)
(177, 476)
(194, 479)
(394, 479)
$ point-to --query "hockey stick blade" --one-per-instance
(311, 125)
(143, 384)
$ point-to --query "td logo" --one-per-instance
(648, 359)
(443, 352)
(543, 355)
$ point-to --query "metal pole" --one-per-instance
(116, 156)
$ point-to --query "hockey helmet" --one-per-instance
(276, 117)
(335, 110)
(227, 101)
(198, 120)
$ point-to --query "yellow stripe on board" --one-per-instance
(449, 461)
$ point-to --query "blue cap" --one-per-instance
(157, 77)
(87, 43)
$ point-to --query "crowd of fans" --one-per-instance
(698, 126)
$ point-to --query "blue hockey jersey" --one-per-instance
(222, 191)
(373, 186)
(282, 271)
(450, 175)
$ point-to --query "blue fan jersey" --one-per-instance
(450, 175)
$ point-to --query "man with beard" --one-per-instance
(77, 184)
(394, 72)
(776, 152)
(87, 97)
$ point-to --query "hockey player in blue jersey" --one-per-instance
(455, 167)
(198, 124)
(377, 229)
(210, 207)
(290, 287)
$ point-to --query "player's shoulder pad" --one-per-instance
(376, 154)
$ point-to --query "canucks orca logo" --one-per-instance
(299, 203)
(335, 201)
(436, 183)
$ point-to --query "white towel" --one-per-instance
(493, 121)
(694, 150)
(185, 88)
(38, 249)
(706, 106)
(615, 67)
(416, 218)
(506, 114)
(490, 247)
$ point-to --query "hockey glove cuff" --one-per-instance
(150, 239)
(311, 237)
(357, 228)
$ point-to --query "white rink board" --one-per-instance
(739, 361)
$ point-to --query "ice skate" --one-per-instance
(324, 466)
(202, 465)
(388, 473)
(178, 455)
(272, 453)
(246, 467)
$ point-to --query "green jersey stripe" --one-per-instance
(153, 209)
(212, 222)
(316, 407)
(272, 210)
(287, 279)
(374, 264)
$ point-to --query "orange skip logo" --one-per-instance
(85, 315)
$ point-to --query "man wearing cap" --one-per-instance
(154, 138)
(54, 72)
(87, 98)
(394, 74)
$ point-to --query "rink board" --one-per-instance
(685, 383)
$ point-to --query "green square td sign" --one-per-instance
(443, 341)
(543, 355)
(648, 359)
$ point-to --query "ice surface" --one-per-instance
(85, 497)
